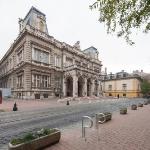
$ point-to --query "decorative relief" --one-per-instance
(66, 75)
(78, 73)
(85, 75)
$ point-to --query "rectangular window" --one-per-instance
(40, 81)
(69, 62)
(138, 87)
(118, 76)
(124, 75)
(40, 56)
(124, 86)
(19, 56)
(46, 81)
(57, 61)
(109, 87)
(20, 81)
(34, 80)
(43, 81)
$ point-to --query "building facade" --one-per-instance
(122, 84)
(39, 66)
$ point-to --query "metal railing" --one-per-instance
(86, 126)
(100, 118)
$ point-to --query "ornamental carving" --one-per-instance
(67, 75)
(85, 75)
(78, 73)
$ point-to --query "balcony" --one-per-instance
(82, 68)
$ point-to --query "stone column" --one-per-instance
(85, 87)
(64, 60)
(98, 88)
(92, 88)
(64, 87)
(75, 86)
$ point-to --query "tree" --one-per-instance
(122, 16)
(145, 88)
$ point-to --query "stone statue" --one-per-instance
(77, 45)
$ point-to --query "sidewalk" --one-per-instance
(123, 132)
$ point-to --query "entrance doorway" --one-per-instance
(69, 87)
(89, 87)
(80, 86)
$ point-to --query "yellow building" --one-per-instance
(122, 84)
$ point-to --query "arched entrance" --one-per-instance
(89, 87)
(69, 86)
(80, 86)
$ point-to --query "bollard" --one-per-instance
(67, 103)
(15, 107)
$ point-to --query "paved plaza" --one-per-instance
(123, 132)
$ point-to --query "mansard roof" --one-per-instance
(33, 9)
(91, 48)
(45, 36)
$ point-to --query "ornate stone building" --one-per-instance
(39, 66)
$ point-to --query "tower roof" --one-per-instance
(35, 10)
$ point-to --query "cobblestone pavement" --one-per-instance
(52, 115)
(123, 132)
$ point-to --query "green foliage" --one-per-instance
(16, 141)
(31, 136)
(122, 16)
(123, 110)
(145, 87)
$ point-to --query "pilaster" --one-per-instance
(64, 87)
(98, 88)
(92, 88)
(85, 87)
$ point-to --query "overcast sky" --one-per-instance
(72, 20)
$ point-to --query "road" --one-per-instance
(17, 123)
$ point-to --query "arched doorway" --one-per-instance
(69, 86)
(89, 87)
(80, 86)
